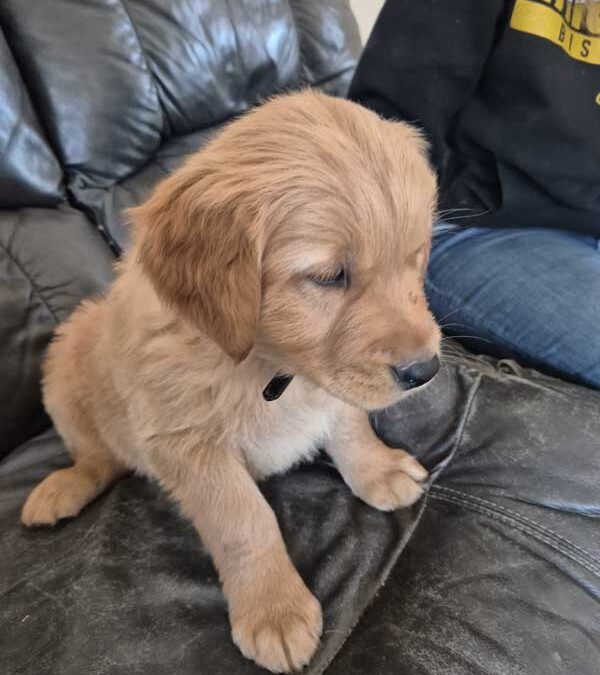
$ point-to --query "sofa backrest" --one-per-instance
(113, 79)
(30, 174)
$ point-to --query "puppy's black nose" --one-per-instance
(417, 374)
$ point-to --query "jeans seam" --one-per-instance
(521, 523)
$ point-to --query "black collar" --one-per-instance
(276, 387)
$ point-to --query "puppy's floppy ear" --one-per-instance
(196, 245)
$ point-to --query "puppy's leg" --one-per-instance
(64, 493)
(385, 478)
(275, 620)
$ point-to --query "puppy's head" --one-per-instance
(303, 231)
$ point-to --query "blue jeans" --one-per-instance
(528, 294)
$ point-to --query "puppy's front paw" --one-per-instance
(391, 481)
(279, 628)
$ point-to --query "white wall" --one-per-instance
(366, 12)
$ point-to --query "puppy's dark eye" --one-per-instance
(338, 279)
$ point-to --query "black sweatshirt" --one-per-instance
(508, 93)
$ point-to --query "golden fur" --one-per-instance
(217, 295)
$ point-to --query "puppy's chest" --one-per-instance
(288, 431)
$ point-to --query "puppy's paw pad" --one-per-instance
(61, 495)
(283, 642)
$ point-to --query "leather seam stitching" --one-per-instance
(548, 539)
(517, 516)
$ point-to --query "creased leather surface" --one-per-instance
(50, 259)
(108, 206)
(329, 42)
(210, 60)
(127, 587)
(503, 574)
(88, 77)
(113, 79)
(30, 174)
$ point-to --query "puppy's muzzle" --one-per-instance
(416, 374)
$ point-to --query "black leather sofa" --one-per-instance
(496, 571)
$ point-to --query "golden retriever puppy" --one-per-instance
(294, 244)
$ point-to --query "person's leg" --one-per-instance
(530, 294)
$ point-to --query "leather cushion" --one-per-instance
(116, 78)
(30, 174)
(34, 297)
